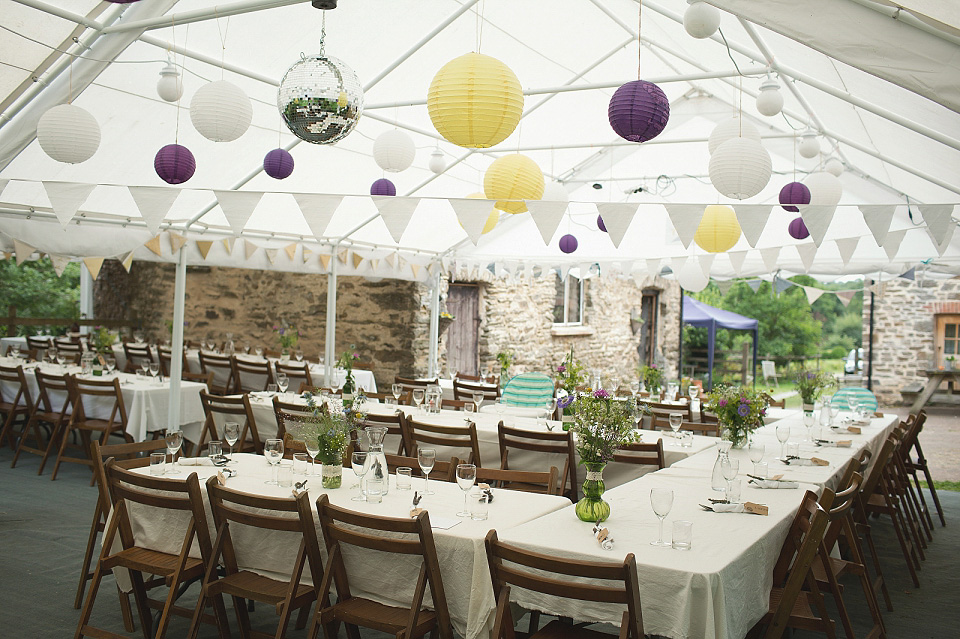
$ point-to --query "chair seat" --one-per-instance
(801, 616)
(154, 562)
(378, 616)
(250, 585)
(99, 425)
(559, 630)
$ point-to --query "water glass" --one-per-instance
(682, 534)
(761, 469)
(404, 481)
(285, 474)
(479, 507)
(468, 409)
(214, 451)
(157, 461)
(687, 439)
(300, 463)
(733, 490)
(374, 488)
(793, 449)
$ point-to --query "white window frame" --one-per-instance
(566, 296)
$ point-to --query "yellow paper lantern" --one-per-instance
(475, 101)
(513, 177)
(492, 219)
(719, 229)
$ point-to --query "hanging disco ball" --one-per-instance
(320, 99)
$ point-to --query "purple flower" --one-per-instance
(561, 368)
(654, 367)
(563, 402)
(743, 410)
(763, 412)
(722, 402)
(356, 356)
(601, 394)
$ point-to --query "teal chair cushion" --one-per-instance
(843, 396)
(528, 389)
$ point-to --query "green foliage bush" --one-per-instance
(36, 291)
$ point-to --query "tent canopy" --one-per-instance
(696, 313)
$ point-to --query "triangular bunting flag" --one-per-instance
(944, 241)
(204, 247)
(271, 254)
(547, 215)
(317, 210)
(228, 244)
(342, 255)
(66, 198)
(845, 297)
(23, 251)
(617, 217)
(357, 261)
(154, 203)
(770, 257)
(847, 246)
(753, 219)
(472, 215)
(706, 262)
(93, 265)
(154, 245)
(878, 218)
(723, 285)
(813, 293)
(910, 274)
(176, 241)
(374, 264)
(126, 261)
(415, 269)
(685, 219)
(249, 248)
(780, 284)
(754, 285)
(391, 259)
(291, 251)
(59, 263)
(736, 260)
(306, 254)
(937, 218)
(817, 220)
(891, 243)
(807, 251)
(396, 213)
(238, 206)
(653, 267)
(325, 261)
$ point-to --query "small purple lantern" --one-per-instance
(568, 243)
(174, 164)
(383, 186)
(278, 164)
(600, 224)
(794, 193)
(638, 111)
(798, 230)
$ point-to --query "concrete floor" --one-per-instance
(44, 524)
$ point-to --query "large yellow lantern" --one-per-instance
(513, 177)
(492, 219)
(719, 229)
(475, 101)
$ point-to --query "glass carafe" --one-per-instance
(717, 480)
(376, 460)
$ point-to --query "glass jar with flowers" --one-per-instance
(571, 374)
(288, 336)
(739, 410)
(652, 377)
(331, 425)
(101, 341)
(810, 384)
(345, 362)
(601, 426)
(505, 360)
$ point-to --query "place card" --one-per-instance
(819, 462)
(755, 509)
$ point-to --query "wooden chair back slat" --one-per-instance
(554, 443)
(222, 369)
(464, 390)
(642, 454)
(442, 470)
(251, 375)
(297, 372)
(453, 437)
(229, 409)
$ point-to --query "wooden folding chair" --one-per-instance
(288, 415)
(642, 454)
(71, 351)
(442, 470)
(914, 509)
(465, 390)
(232, 508)
(84, 395)
(661, 412)
(137, 354)
(297, 373)
(395, 429)
(915, 465)
(513, 566)
(708, 429)
(403, 536)
(409, 384)
(549, 443)
(164, 356)
(251, 375)
(53, 409)
(13, 382)
(450, 439)
(224, 382)
(229, 409)
(791, 606)
(38, 343)
(203, 378)
(527, 481)
(183, 497)
(454, 404)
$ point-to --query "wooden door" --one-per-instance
(463, 302)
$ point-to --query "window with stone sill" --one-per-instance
(569, 301)
(948, 339)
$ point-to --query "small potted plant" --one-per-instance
(810, 384)
(288, 336)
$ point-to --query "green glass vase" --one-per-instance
(591, 507)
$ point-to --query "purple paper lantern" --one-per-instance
(174, 164)
(568, 243)
(794, 193)
(638, 111)
(600, 224)
(798, 230)
(278, 164)
(383, 186)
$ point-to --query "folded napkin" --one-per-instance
(841, 443)
(773, 483)
(195, 461)
(801, 461)
(746, 507)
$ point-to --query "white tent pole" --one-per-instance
(434, 325)
(176, 348)
(199, 15)
(86, 295)
(330, 341)
(62, 13)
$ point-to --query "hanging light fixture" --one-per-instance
(437, 164)
(740, 168)
(691, 277)
(278, 164)
(719, 229)
(793, 194)
(394, 151)
(809, 144)
(68, 133)
(383, 186)
(770, 100)
(221, 111)
(513, 177)
(568, 243)
(735, 127)
(797, 229)
(825, 189)
(174, 164)
(701, 20)
(170, 84)
(834, 167)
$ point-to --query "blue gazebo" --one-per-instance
(699, 314)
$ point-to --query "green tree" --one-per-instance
(36, 291)
(787, 327)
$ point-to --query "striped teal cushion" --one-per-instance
(843, 396)
(528, 389)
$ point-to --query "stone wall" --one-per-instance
(903, 334)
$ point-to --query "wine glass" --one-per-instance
(246, 347)
(313, 449)
(273, 451)
(426, 457)
(477, 399)
(756, 450)
(834, 411)
(154, 368)
(358, 461)
(693, 391)
(500, 407)
(145, 367)
(466, 476)
(808, 424)
(634, 388)
(676, 419)
(174, 440)
(729, 468)
(231, 433)
(614, 385)
(298, 355)
(60, 360)
(783, 434)
(15, 349)
(418, 397)
(397, 390)
(282, 382)
(662, 501)
(111, 363)
(258, 351)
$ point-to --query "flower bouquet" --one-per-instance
(346, 360)
(332, 430)
(287, 335)
(652, 378)
(570, 375)
(810, 384)
(739, 410)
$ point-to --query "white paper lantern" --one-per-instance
(170, 84)
(770, 100)
(394, 151)
(555, 192)
(701, 20)
(221, 111)
(825, 189)
(437, 164)
(834, 167)
(731, 128)
(809, 145)
(691, 277)
(740, 168)
(68, 134)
